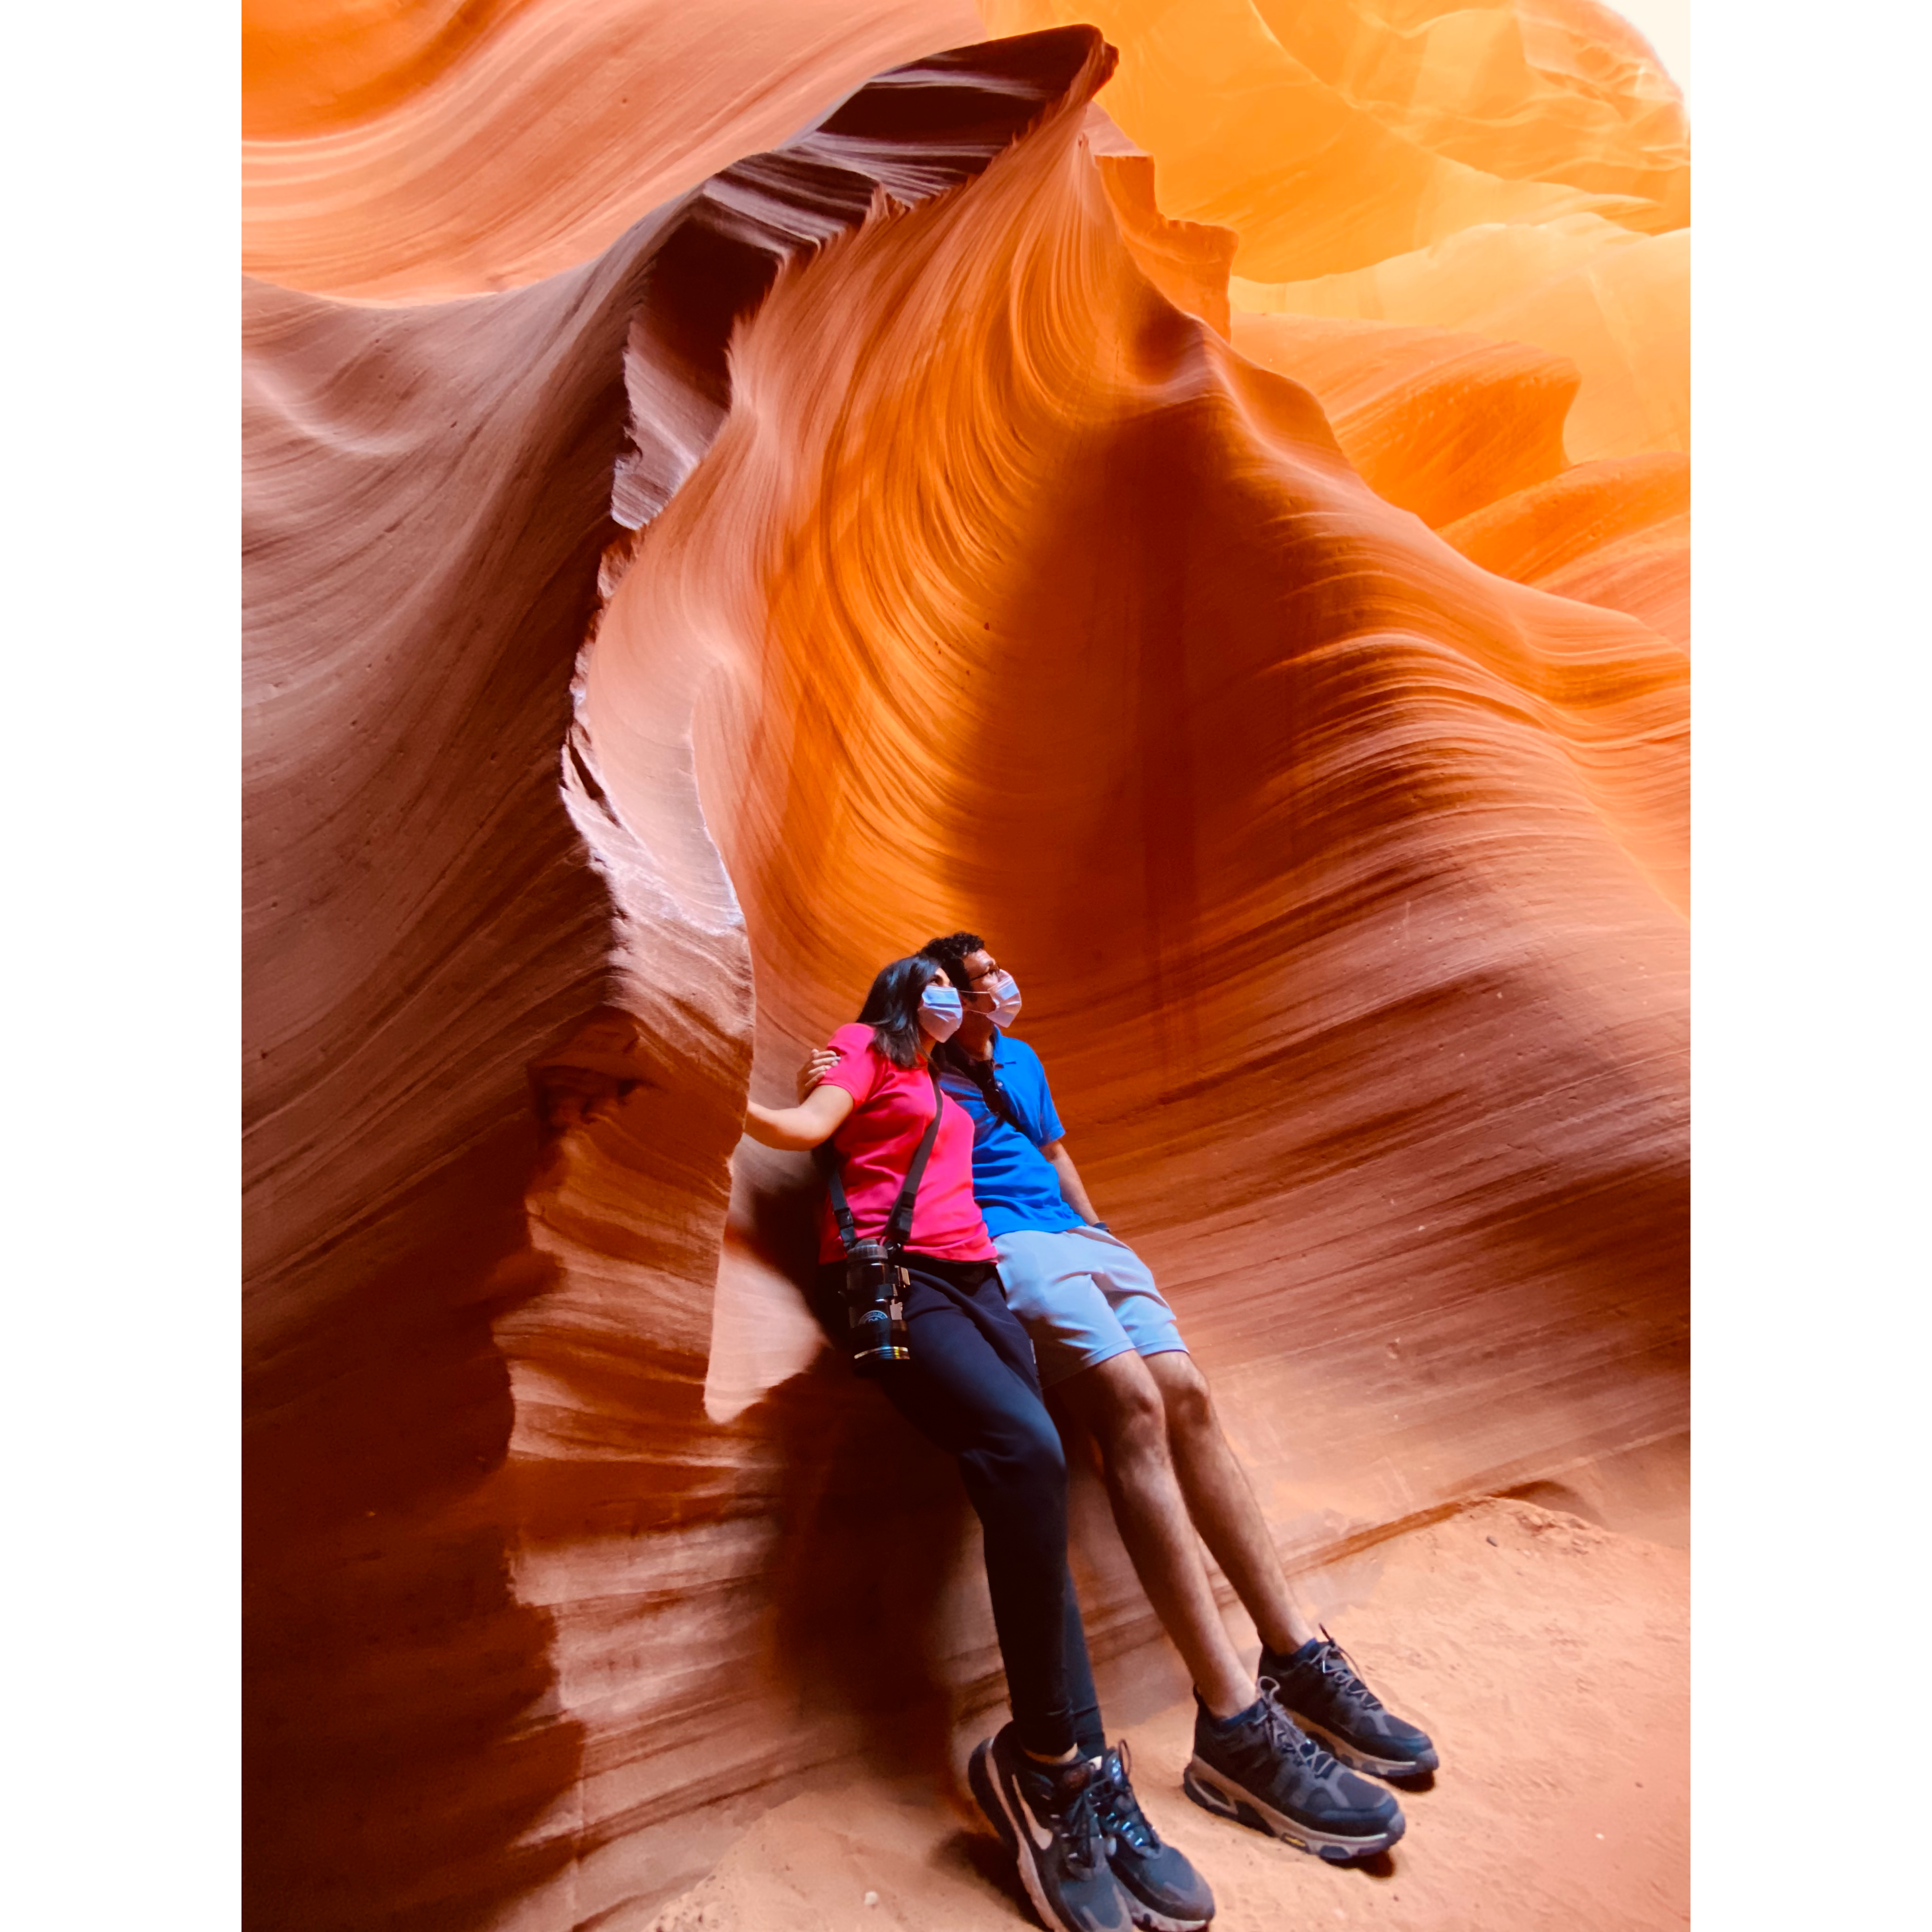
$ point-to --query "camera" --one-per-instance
(875, 1286)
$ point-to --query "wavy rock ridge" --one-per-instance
(935, 567)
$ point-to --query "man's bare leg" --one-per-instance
(1322, 1692)
(1247, 1752)
(1221, 1501)
(1119, 1404)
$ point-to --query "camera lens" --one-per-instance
(875, 1317)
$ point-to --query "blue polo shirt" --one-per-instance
(1013, 1182)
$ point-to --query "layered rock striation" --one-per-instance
(885, 534)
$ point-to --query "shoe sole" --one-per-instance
(989, 1791)
(1212, 1792)
(1148, 1920)
(1356, 1759)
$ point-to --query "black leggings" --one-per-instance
(971, 1387)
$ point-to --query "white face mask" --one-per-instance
(939, 1012)
(1006, 994)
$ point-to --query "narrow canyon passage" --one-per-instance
(893, 530)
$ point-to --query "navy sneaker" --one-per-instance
(1165, 1893)
(1045, 1816)
(1260, 1771)
(1319, 1687)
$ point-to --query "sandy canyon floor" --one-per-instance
(1549, 1658)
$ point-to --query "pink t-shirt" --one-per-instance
(892, 1109)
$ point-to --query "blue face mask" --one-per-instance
(1005, 997)
(939, 1012)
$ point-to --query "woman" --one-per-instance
(970, 1387)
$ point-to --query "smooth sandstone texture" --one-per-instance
(1469, 432)
(405, 154)
(887, 535)
(1617, 306)
(1615, 533)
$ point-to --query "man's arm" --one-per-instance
(1071, 1185)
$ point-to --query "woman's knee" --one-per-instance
(1028, 1455)
(1041, 1454)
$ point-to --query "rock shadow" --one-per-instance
(398, 1732)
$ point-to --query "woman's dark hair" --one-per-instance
(891, 1008)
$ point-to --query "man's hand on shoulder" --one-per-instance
(815, 1070)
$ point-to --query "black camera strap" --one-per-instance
(898, 1223)
(984, 1075)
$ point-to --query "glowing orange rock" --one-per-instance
(1329, 138)
(307, 65)
(1438, 423)
(1187, 261)
(1615, 533)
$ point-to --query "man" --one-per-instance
(1110, 1353)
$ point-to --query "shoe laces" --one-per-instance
(1077, 1821)
(1287, 1737)
(1339, 1667)
(1120, 1810)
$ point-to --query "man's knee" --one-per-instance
(1189, 1403)
(1136, 1420)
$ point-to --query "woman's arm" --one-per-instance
(797, 1129)
(1070, 1184)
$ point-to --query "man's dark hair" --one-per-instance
(892, 1007)
(951, 953)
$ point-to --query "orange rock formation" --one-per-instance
(908, 524)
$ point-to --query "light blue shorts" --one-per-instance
(1083, 1297)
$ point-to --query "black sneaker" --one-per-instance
(1262, 1771)
(1318, 1688)
(1044, 1815)
(1165, 1893)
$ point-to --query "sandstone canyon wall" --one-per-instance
(1230, 548)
